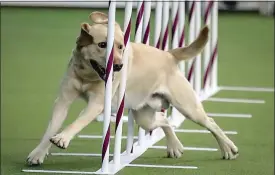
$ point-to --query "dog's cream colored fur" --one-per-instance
(153, 80)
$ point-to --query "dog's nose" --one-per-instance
(117, 67)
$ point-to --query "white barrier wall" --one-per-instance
(120, 4)
(77, 4)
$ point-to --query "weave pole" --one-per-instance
(175, 44)
(130, 133)
(108, 86)
(207, 49)
(165, 26)
(175, 25)
(210, 73)
(139, 21)
(122, 86)
(146, 27)
(138, 37)
(191, 38)
(146, 23)
(214, 43)
(197, 61)
(127, 36)
(182, 31)
(157, 33)
(165, 32)
(158, 16)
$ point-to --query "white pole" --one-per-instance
(123, 80)
(165, 31)
(191, 16)
(158, 15)
(139, 22)
(146, 22)
(207, 50)
(145, 40)
(108, 89)
(197, 71)
(175, 25)
(138, 38)
(130, 133)
(214, 72)
(165, 28)
(182, 30)
(175, 42)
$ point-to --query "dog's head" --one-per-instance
(92, 43)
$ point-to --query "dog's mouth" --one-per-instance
(99, 69)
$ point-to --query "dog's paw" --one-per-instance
(174, 148)
(36, 157)
(61, 140)
(229, 151)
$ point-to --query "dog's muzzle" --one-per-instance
(99, 69)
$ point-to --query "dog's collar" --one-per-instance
(99, 69)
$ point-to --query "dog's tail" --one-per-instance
(193, 49)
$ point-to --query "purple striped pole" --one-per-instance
(108, 86)
(165, 31)
(138, 38)
(122, 86)
(146, 35)
(158, 16)
(214, 46)
(139, 21)
(165, 26)
(197, 71)
(182, 30)
(127, 36)
(146, 23)
(157, 33)
(175, 42)
(175, 25)
(210, 64)
(191, 21)
(207, 50)
(210, 74)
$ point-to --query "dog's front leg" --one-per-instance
(61, 106)
(93, 109)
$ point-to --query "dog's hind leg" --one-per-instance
(149, 120)
(185, 100)
(67, 95)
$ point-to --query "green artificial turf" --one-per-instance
(36, 44)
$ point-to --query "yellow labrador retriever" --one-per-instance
(153, 81)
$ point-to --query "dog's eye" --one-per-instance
(102, 45)
(120, 46)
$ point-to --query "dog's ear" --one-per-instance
(85, 38)
(85, 27)
(99, 17)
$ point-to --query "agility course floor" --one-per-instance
(36, 44)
